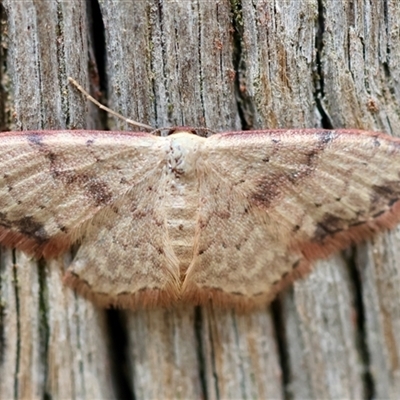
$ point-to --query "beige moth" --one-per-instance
(229, 219)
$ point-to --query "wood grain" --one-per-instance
(226, 65)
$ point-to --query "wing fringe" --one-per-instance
(240, 303)
(51, 248)
(147, 298)
(332, 243)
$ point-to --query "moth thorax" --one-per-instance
(184, 153)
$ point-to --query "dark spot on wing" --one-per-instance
(70, 178)
(223, 214)
(93, 187)
(35, 139)
(160, 250)
(269, 188)
(266, 191)
(75, 275)
(381, 198)
(296, 264)
(30, 227)
(377, 142)
(325, 137)
(384, 196)
(384, 191)
(357, 223)
(51, 156)
(63, 228)
(115, 210)
(138, 214)
(389, 191)
(329, 225)
(99, 192)
(4, 221)
(202, 223)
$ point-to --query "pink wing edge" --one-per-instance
(169, 296)
(311, 251)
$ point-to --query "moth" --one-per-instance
(230, 219)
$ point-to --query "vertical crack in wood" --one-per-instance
(198, 328)
(244, 104)
(281, 341)
(213, 344)
(319, 75)
(3, 123)
(2, 309)
(97, 57)
(369, 389)
(3, 57)
(237, 334)
(97, 34)
(18, 321)
(118, 340)
(44, 328)
(164, 57)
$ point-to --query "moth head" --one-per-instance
(180, 129)
(202, 132)
(184, 145)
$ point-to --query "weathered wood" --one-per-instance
(378, 262)
(225, 65)
(51, 342)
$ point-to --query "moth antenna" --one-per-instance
(103, 107)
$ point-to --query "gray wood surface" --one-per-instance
(226, 65)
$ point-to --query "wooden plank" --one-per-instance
(180, 99)
(52, 342)
(321, 335)
(226, 65)
(360, 67)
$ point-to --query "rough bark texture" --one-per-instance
(225, 65)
